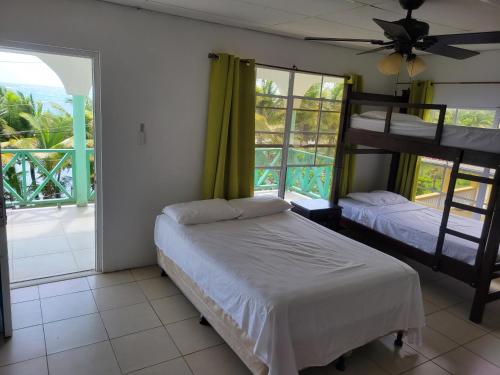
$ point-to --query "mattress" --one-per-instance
(303, 294)
(479, 139)
(416, 225)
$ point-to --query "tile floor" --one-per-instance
(46, 242)
(135, 322)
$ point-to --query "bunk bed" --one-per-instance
(387, 133)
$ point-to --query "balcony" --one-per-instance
(50, 212)
(308, 175)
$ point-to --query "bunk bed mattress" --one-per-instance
(479, 139)
(415, 225)
(303, 294)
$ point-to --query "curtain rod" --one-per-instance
(458, 83)
(294, 67)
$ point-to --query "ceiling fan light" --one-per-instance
(390, 64)
(415, 66)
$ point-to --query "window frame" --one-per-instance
(288, 132)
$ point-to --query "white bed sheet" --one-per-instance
(479, 139)
(304, 294)
(416, 225)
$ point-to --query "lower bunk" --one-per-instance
(404, 228)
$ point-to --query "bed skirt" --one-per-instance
(225, 326)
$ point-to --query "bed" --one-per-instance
(286, 293)
(415, 225)
(479, 139)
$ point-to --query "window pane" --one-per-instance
(481, 118)
(325, 155)
(272, 82)
(313, 182)
(449, 117)
(270, 101)
(327, 139)
(268, 157)
(262, 138)
(301, 155)
(331, 106)
(267, 119)
(308, 85)
(332, 88)
(302, 139)
(306, 104)
(329, 122)
(266, 180)
(305, 121)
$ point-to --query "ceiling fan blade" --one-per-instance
(376, 49)
(372, 41)
(469, 38)
(449, 51)
(392, 29)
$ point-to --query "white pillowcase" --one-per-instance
(261, 205)
(202, 212)
(380, 115)
(378, 198)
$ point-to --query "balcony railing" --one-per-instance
(34, 177)
(310, 180)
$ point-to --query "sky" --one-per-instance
(26, 70)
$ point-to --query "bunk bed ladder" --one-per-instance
(487, 258)
(443, 229)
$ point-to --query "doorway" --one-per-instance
(48, 118)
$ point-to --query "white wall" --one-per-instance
(154, 69)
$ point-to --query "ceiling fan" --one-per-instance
(409, 34)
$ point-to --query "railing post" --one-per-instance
(80, 182)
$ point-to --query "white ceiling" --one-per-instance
(333, 18)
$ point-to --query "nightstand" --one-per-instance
(320, 211)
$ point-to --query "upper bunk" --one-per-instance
(387, 127)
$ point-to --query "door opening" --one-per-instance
(47, 118)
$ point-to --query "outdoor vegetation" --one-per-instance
(312, 139)
(27, 124)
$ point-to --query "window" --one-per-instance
(296, 125)
(480, 118)
(434, 175)
(433, 180)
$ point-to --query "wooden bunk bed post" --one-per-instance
(393, 171)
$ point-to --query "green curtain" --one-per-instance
(230, 138)
(409, 165)
(349, 162)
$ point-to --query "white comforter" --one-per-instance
(304, 294)
(416, 225)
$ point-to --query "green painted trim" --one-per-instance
(80, 182)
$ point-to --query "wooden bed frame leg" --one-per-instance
(340, 363)
(478, 306)
(204, 322)
(163, 273)
(399, 339)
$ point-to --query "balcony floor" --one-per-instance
(50, 241)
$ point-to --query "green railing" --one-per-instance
(43, 176)
(309, 180)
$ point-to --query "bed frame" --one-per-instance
(486, 266)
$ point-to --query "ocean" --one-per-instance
(45, 94)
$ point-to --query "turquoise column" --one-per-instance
(80, 183)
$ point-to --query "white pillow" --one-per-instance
(201, 212)
(378, 198)
(380, 115)
(261, 205)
